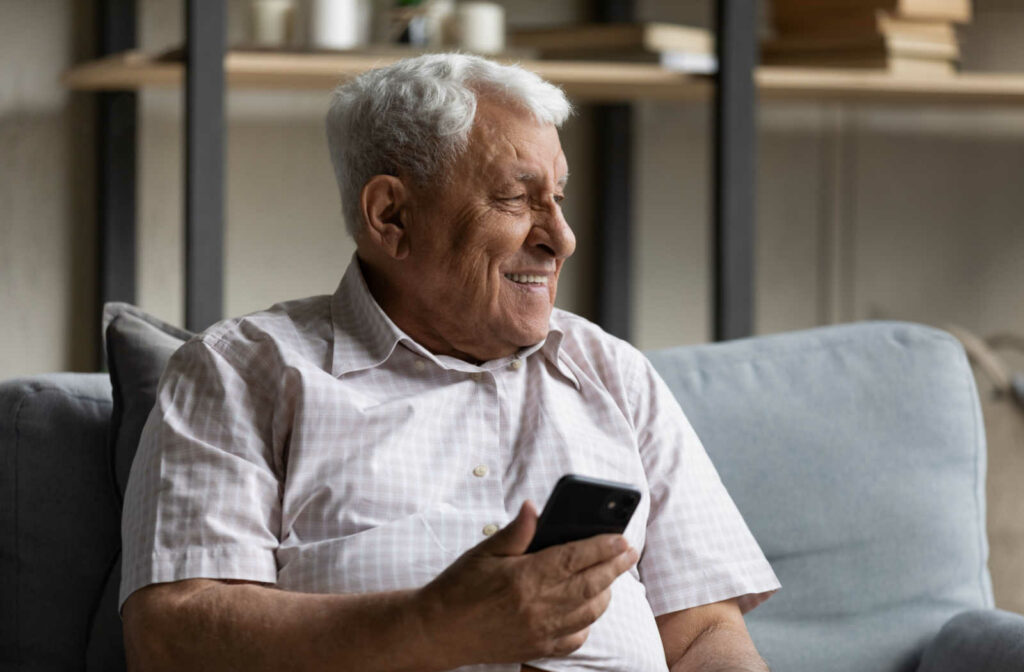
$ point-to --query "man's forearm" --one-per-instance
(494, 604)
(253, 628)
(721, 648)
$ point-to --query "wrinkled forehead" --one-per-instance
(506, 141)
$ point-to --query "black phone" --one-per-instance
(580, 507)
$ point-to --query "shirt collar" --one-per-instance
(365, 337)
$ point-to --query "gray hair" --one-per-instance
(414, 117)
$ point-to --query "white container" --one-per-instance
(480, 27)
(272, 22)
(339, 24)
(439, 18)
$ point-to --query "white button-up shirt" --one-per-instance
(318, 447)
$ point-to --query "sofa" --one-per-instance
(856, 454)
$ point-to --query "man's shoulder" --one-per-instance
(590, 346)
(296, 329)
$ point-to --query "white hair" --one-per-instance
(413, 118)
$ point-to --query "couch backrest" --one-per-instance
(856, 454)
(60, 526)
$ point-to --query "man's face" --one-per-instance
(487, 248)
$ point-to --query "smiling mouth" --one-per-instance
(530, 280)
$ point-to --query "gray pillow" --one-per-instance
(138, 346)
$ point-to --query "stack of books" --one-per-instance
(913, 37)
(680, 48)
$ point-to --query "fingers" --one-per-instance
(585, 614)
(573, 557)
(591, 591)
(563, 646)
(591, 582)
(584, 596)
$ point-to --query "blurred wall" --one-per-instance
(864, 211)
(47, 241)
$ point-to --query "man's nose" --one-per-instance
(552, 233)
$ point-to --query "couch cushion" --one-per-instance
(138, 346)
(856, 454)
(59, 521)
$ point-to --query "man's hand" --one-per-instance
(496, 605)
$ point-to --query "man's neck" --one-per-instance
(390, 298)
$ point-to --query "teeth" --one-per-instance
(527, 279)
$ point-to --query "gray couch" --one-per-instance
(856, 454)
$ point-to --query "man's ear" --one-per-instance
(384, 203)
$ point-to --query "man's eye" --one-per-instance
(519, 197)
(559, 198)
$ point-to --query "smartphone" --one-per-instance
(580, 507)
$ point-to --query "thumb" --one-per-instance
(514, 538)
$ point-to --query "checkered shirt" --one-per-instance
(317, 447)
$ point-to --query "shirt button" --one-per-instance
(480, 470)
(419, 365)
(490, 529)
(516, 363)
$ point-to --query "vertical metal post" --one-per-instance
(734, 172)
(205, 22)
(613, 163)
(115, 160)
(613, 130)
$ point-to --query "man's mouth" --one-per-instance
(525, 279)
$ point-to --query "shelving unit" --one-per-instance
(208, 68)
(735, 92)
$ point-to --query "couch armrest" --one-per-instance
(988, 640)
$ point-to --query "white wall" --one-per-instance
(907, 212)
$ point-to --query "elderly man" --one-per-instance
(345, 482)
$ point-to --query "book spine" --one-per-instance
(805, 11)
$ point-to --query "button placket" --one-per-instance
(488, 469)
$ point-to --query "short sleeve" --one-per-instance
(698, 548)
(204, 492)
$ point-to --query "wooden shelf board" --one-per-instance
(585, 80)
(776, 82)
(324, 71)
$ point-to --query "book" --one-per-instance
(786, 12)
(861, 23)
(615, 37)
(881, 45)
(897, 65)
(698, 63)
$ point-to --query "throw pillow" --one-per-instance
(138, 346)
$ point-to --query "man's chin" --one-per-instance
(531, 334)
